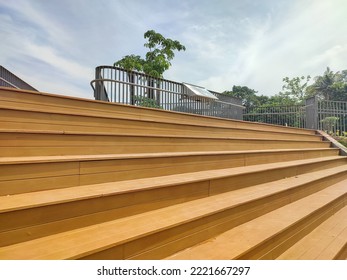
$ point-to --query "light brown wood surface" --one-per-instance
(83, 179)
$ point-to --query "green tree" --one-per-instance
(156, 62)
(247, 95)
(157, 59)
(294, 91)
(323, 85)
(330, 86)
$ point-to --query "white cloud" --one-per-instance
(290, 46)
(33, 49)
(228, 43)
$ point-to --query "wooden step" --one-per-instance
(81, 179)
(27, 174)
(44, 102)
(24, 120)
(275, 231)
(139, 235)
(326, 242)
(49, 143)
(33, 215)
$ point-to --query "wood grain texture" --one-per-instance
(83, 179)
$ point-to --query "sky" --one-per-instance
(55, 45)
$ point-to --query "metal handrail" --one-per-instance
(154, 88)
(116, 84)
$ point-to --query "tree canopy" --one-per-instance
(329, 86)
(247, 95)
(157, 59)
(294, 91)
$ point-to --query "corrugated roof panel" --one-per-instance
(193, 90)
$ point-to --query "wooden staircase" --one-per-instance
(82, 179)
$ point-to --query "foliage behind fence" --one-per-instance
(332, 116)
(294, 116)
(114, 84)
(324, 115)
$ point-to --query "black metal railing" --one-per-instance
(294, 116)
(330, 116)
(115, 84)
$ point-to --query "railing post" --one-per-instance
(116, 84)
(311, 112)
(99, 91)
(158, 93)
(131, 76)
(238, 110)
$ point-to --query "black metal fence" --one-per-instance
(115, 84)
(330, 116)
(294, 116)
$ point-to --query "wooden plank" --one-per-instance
(37, 184)
(38, 170)
(90, 200)
(91, 131)
(324, 242)
(56, 175)
(35, 144)
(19, 119)
(58, 103)
(135, 201)
(241, 242)
(78, 244)
(308, 153)
(39, 173)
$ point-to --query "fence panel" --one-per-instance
(332, 116)
(115, 84)
(294, 116)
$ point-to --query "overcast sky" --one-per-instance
(55, 45)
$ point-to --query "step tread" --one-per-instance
(66, 158)
(87, 133)
(77, 243)
(233, 243)
(66, 120)
(51, 103)
(54, 196)
(322, 243)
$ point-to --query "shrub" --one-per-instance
(342, 140)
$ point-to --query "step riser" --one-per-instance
(44, 221)
(11, 99)
(277, 201)
(17, 144)
(17, 119)
(253, 203)
(210, 186)
(21, 178)
(170, 241)
(331, 236)
(287, 241)
(342, 255)
(279, 243)
(241, 181)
